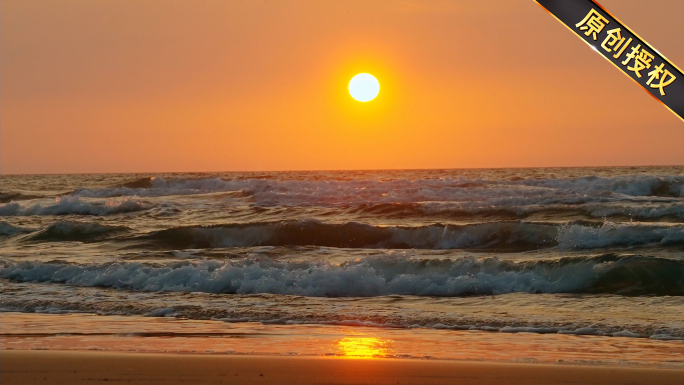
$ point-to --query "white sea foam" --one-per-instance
(642, 211)
(371, 276)
(635, 185)
(271, 277)
(576, 236)
(72, 206)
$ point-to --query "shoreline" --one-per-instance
(403, 358)
(88, 367)
(170, 335)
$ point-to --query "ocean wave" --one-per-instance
(577, 236)
(73, 206)
(503, 236)
(518, 210)
(7, 229)
(641, 212)
(335, 192)
(158, 186)
(634, 185)
(15, 196)
(61, 231)
(373, 276)
(470, 193)
(514, 235)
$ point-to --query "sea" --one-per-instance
(567, 251)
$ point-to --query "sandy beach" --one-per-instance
(86, 349)
(53, 367)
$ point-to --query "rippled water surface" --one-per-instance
(570, 251)
(164, 335)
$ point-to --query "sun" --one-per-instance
(364, 87)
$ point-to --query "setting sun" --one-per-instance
(364, 87)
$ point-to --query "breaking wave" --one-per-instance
(635, 185)
(73, 206)
(7, 229)
(332, 192)
(509, 236)
(157, 186)
(74, 231)
(15, 196)
(516, 210)
(373, 276)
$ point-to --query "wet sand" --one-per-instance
(136, 334)
(59, 367)
(86, 349)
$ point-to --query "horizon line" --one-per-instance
(340, 170)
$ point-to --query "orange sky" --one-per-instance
(144, 86)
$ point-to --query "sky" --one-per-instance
(255, 85)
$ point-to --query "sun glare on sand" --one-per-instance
(364, 87)
(362, 347)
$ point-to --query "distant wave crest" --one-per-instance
(514, 208)
(74, 231)
(303, 192)
(73, 206)
(157, 186)
(511, 236)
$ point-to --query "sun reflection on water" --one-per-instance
(363, 347)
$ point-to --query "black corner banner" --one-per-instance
(622, 47)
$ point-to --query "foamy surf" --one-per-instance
(72, 206)
(373, 276)
(489, 250)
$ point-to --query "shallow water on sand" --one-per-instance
(169, 335)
